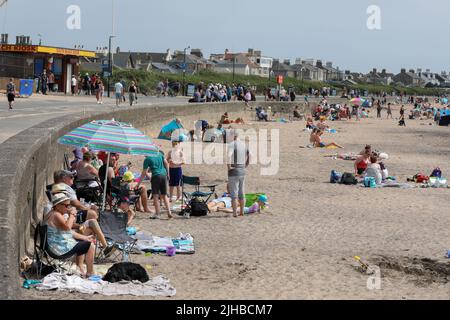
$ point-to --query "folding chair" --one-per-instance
(88, 193)
(66, 162)
(43, 253)
(188, 196)
(114, 227)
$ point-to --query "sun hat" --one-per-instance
(59, 188)
(59, 198)
(128, 176)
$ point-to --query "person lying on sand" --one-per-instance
(257, 207)
(316, 140)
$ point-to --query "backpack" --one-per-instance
(335, 177)
(198, 208)
(437, 173)
(349, 179)
(370, 182)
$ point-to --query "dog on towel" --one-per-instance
(126, 271)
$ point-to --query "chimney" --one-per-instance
(251, 52)
(319, 63)
(383, 72)
(287, 62)
(374, 71)
(329, 64)
(412, 71)
(419, 70)
(258, 53)
(118, 50)
(428, 70)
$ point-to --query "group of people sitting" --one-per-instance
(369, 164)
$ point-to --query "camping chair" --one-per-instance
(42, 253)
(114, 227)
(88, 193)
(188, 196)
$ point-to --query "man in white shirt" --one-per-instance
(118, 87)
(74, 82)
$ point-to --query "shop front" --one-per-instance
(29, 62)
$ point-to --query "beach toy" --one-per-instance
(27, 284)
(131, 231)
(171, 251)
(95, 278)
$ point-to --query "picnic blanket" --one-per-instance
(184, 243)
(158, 286)
(393, 184)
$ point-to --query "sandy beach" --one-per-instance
(303, 246)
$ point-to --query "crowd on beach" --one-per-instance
(72, 217)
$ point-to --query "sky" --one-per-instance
(413, 34)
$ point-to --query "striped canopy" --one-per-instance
(111, 136)
(357, 101)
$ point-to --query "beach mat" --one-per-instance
(149, 243)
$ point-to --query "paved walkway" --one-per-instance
(36, 109)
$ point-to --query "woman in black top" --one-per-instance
(132, 90)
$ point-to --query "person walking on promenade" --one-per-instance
(132, 93)
(118, 87)
(238, 161)
(11, 92)
(74, 83)
(51, 81)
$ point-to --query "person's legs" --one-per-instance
(80, 264)
(94, 229)
(233, 186)
(241, 195)
(167, 204)
(179, 195)
(156, 204)
(90, 261)
(144, 199)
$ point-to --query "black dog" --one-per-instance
(126, 271)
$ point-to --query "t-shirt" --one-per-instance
(10, 88)
(156, 165)
(74, 82)
(237, 157)
(118, 87)
(71, 193)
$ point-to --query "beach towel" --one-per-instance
(156, 287)
(184, 243)
(166, 131)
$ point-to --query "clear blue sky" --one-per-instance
(414, 32)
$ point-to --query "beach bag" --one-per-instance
(335, 177)
(349, 179)
(437, 173)
(198, 208)
(370, 182)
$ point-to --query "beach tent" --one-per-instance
(167, 130)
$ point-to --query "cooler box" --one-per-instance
(26, 87)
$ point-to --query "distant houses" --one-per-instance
(254, 63)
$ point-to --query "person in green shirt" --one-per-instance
(159, 168)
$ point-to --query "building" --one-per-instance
(230, 68)
(139, 60)
(408, 78)
(258, 64)
(24, 60)
(380, 78)
(194, 62)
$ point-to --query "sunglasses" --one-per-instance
(67, 206)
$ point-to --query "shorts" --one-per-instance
(226, 201)
(81, 217)
(176, 175)
(11, 97)
(118, 95)
(159, 185)
(322, 145)
(81, 248)
(237, 187)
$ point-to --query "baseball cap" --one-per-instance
(63, 173)
(59, 198)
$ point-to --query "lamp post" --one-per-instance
(110, 67)
(184, 71)
(234, 66)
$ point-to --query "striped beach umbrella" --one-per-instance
(110, 136)
(357, 101)
(113, 137)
